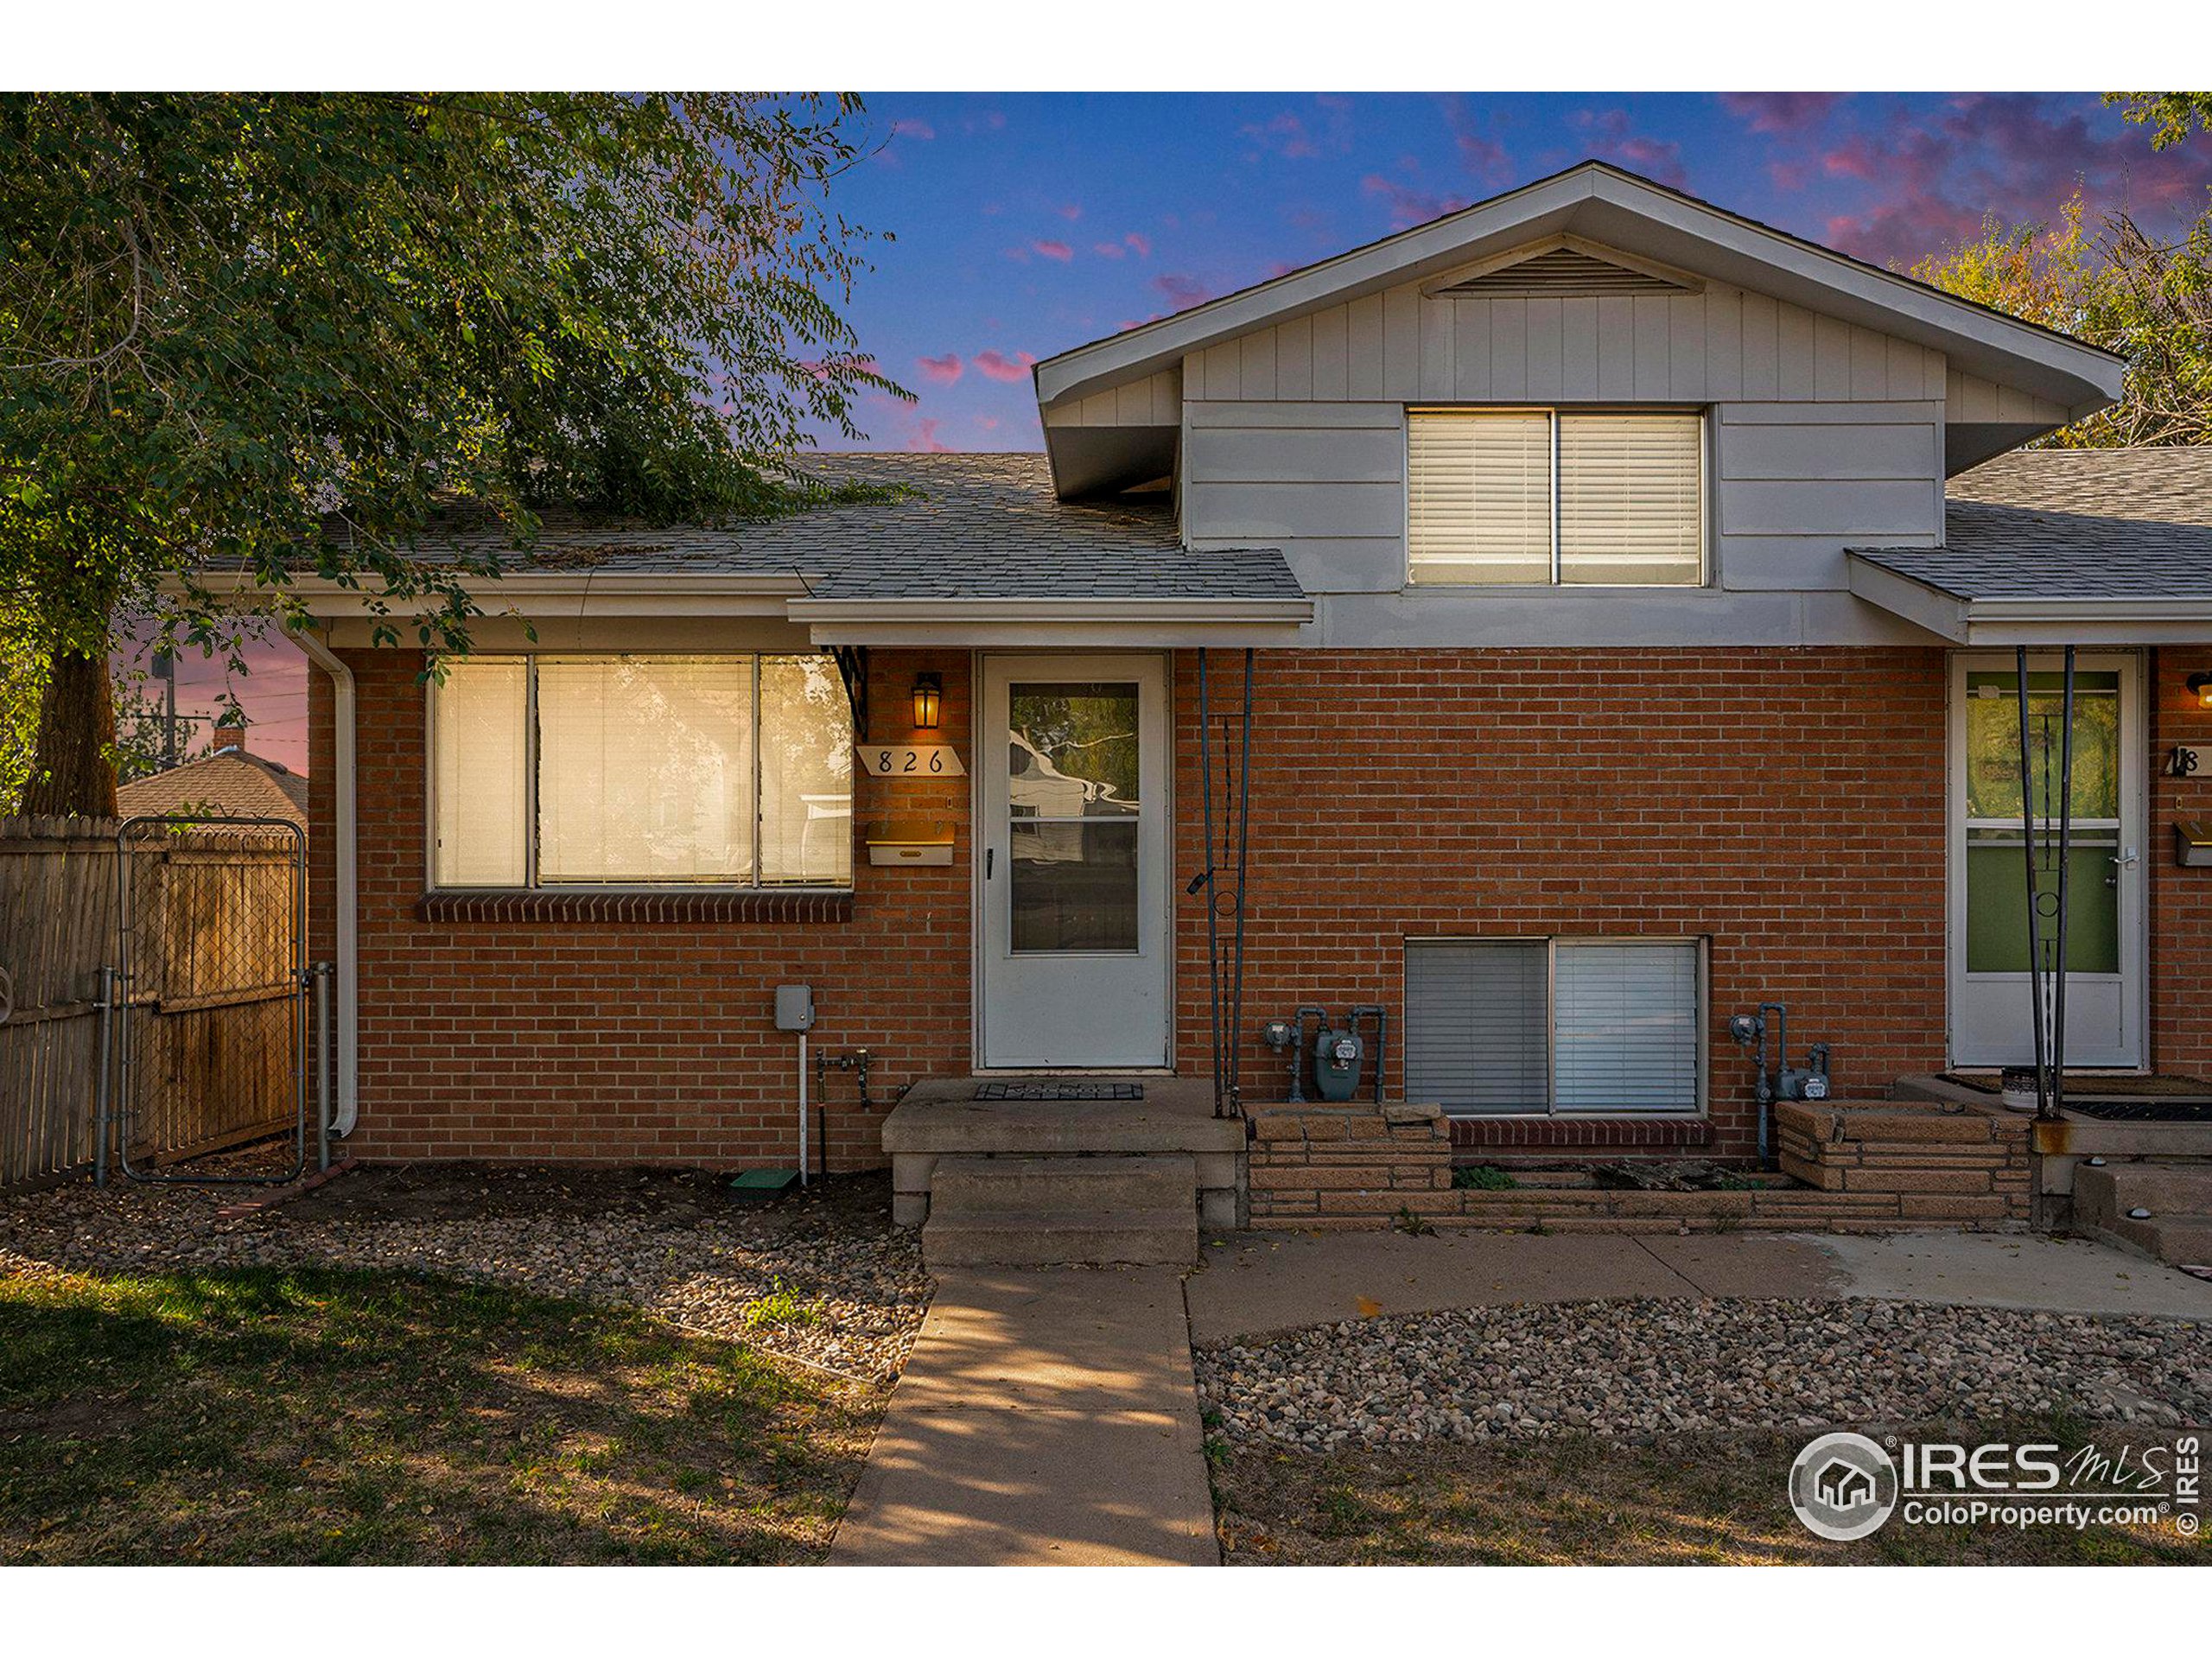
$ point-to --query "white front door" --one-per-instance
(1071, 810)
(1992, 1015)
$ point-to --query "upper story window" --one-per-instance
(1600, 497)
(723, 771)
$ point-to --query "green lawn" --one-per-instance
(332, 1416)
(1717, 1498)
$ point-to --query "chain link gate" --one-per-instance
(212, 1019)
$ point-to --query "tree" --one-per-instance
(277, 335)
(2170, 115)
(2114, 286)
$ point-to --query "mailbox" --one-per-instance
(909, 840)
(2192, 841)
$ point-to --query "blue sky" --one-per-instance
(1027, 224)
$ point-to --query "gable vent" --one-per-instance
(1563, 273)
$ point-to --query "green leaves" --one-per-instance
(279, 332)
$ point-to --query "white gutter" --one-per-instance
(1222, 613)
(346, 900)
(2035, 619)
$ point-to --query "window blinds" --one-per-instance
(644, 769)
(479, 718)
(1479, 497)
(1628, 504)
(1475, 1025)
(1537, 1025)
(1624, 1027)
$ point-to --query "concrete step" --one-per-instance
(2178, 1196)
(970, 1188)
(1061, 1238)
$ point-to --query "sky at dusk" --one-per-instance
(1027, 225)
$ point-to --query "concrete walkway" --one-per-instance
(1045, 1417)
(1262, 1282)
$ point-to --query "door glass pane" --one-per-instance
(1996, 889)
(806, 773)
(1993, 745)
(1071, 750)
(1072, 777)
(1075, 884)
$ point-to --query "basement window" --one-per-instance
(1565, 1026)
(640, 771)
(1556, 498)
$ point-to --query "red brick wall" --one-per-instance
(1789, 804)
(2181, 899)
(647, 1042)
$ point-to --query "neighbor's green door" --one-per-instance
(1990, 1011)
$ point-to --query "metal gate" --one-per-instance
(214, 1027)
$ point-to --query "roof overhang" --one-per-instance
(557, 595)
(2038, 618)
(1617, 209)
(1132, 623)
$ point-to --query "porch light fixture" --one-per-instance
(2202, 685)
(929, 691)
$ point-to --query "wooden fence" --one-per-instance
(210, 1021)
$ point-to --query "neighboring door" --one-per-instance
(1071, 764)
(1991, 1012)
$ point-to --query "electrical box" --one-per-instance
(2192, 841)
(794, 1008)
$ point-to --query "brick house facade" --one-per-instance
(1760, 759)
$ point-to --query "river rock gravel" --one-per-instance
(1639, 1368)
(821, 1277)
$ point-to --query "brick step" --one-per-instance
(1062, 1238)
(974, 1188)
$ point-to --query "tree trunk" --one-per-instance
(72, 771)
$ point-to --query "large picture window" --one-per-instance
(1551, 497)
(723, 771)
(1554, 1025)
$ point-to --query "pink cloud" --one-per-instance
(1182, 291)
(1109, 249)
(926, 440)
(917, 129)
(1284, 134)
(1141, 241)
(1789, 176)
(1479, 153)
(1780, 112)
(1854, 158)
(1408, 206)
(1052, 249)
(1069, 211)
(988, 422)
(997, 366)
(1612, 136)
(943, 371)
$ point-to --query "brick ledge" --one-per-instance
(763, 905)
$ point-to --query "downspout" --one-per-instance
(346, 903)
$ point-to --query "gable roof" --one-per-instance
(2051, 544)
(229, 783)
(1612, 207)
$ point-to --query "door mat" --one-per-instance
(1059, 1092)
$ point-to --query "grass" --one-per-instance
(1483, 1177)
(1683, 1499)
(338, 1416)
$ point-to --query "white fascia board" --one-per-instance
(566, 594)
(1012, 634)
(1204, 613)
(1620, 211)
(1940, 614)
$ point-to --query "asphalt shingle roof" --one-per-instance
(2071, 524)
(229, 784)
(968, 526)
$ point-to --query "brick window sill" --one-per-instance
(549, 906)
(1473, 1132)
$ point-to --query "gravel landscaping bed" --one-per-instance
(820, 1276)
(1640, 1368)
